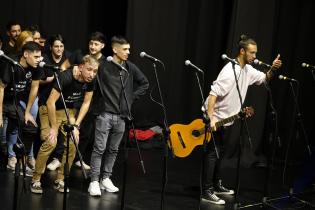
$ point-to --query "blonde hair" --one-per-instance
(20, 40)
(90, 60)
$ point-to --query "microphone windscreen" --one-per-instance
(1, 52)
(142, 54)
(187, 62)
(304, 65)
(256, 61)
(281, 76)
(109, 58)
(223, 56)
(41, 64)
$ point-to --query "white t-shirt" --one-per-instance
(224, 87)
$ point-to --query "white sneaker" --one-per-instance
(11, 163)
(107, 184)
(54, 164)
(86, 167)
(94, 188)
(36, 187)
(60, 186)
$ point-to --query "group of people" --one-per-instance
(93, 94)
(86, 85)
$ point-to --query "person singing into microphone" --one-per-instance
(222, 102)
(111, 112)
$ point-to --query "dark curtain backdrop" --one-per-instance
(69, 18)
(75, 20)
(202, 31)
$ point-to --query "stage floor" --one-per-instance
(143, 191)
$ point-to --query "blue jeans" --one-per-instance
(12, 135)
(109, 131)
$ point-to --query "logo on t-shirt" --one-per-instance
(28, 75)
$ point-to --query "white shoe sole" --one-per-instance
(221, 202)
(108, 190)
(94, 194)
(231, 192)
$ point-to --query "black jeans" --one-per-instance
(211, 163)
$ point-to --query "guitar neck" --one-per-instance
(227, 120)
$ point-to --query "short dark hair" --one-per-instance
(33, 29)
(31, 46)
(98, 36)
(119, 40)
(12, 23)
(244, 41)
(54, 38)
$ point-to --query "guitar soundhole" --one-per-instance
(195, 133)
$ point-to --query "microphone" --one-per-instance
(42, 64)
(305, 65)
(111, 59)
(143, 54)
(260, 63)
(188, 63)
(225, 57)
(14, 62)
(281, 77)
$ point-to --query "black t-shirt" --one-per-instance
(73, 91)
(22, 80)
(44, 89)
(8, 49)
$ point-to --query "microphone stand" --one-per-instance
(165, 136)
(19, 147)
(243, 121)
(297, 118)
(130, 122)
(207, 130)
(274, 139)
(313, 74)
(69, 129)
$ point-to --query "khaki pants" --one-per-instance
(47, 148)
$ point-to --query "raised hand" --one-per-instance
(277, 63)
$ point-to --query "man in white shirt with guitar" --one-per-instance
(224, 101)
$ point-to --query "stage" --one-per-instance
(143, 191)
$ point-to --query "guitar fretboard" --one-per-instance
(222, 122)
(227, 120)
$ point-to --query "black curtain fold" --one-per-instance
(208, 29)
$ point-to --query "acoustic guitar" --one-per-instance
(184, 138)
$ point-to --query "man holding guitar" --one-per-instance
(224, 101)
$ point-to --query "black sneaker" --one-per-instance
(60, 185)
(219, 189)
(36, 187)
(208, 195)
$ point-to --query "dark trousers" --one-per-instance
(211, 163)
